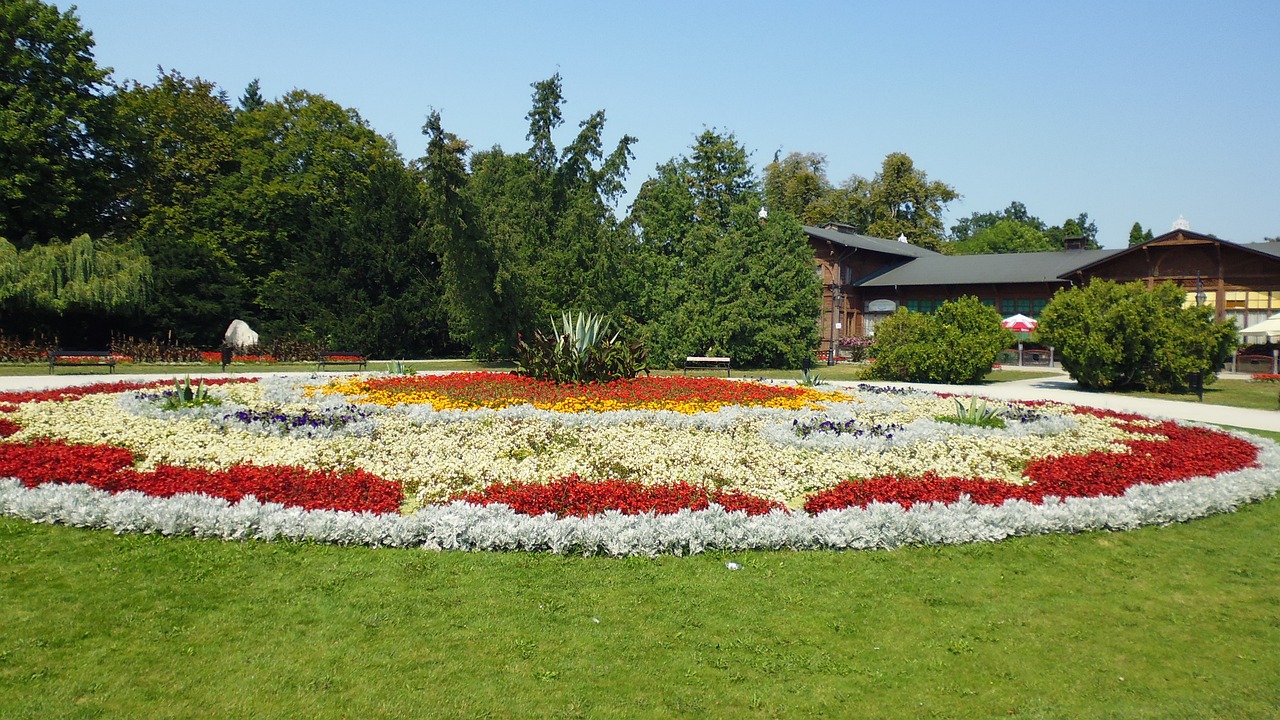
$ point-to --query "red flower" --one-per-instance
(111, 468)
(573, 496)
(1198, 452)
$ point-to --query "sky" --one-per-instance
(1126, 110)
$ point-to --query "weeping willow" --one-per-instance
(82, 275)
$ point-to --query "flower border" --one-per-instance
(466, 527)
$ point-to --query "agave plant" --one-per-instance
(579, 349)
(187, 395)
(978, 412)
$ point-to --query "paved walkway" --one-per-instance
(1058, 388)
(1061, 388)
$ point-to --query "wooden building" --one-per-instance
(866, 279)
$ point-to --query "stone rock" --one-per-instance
(239, 335)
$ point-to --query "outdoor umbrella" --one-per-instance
(1019, 323)
(1269, 327)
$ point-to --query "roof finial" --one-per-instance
(1181, 224)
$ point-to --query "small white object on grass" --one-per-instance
(733, 566)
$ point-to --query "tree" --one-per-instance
(554, 242)
(966, 228)
(1112, 336)
(796, 183)
(178, 151)
(252, 98)
(55, 126)
(901, 200)
(956, 345)
(1137, 235)
(453, 231)
(718, 279)
(1014, 229)
(61, 288)
(332, 215)
(1078, 227)
(1005, 236)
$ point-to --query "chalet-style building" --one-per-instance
(866, 279)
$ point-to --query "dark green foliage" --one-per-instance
(580, 350)
(1137, 235)
(956, 345)
(1016, 230)
(56, 127)
(530, 234)
(331, 215)
(718, 280)
(1111, 336)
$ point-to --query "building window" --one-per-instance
(923, 306)
(1030, 307)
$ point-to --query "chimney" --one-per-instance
(1073, 243)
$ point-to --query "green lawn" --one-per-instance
(1233, 393)
(1173, 622)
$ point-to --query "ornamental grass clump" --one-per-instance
(580, 350)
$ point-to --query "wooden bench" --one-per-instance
(337, 357)
(715, 363)
(81, 358)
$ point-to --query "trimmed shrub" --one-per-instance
(955, 346)
(1114, 337)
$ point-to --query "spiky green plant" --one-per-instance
(977, 412)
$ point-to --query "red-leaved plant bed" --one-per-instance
(1185, 453)
(111, 468)
(573, 496)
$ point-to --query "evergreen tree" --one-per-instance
(1137, 235)
(722, 280)
(452, 228)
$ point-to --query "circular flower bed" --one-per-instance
(644, 466)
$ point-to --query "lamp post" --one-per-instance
(1200, 296)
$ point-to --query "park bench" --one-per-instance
(701, 361)
(81, 358)
(337, 357)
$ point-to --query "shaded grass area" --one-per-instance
(1173, 622)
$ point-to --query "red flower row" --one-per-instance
(1264, 377)
(215, 356)
(573, 496)
(111, 468)
(1198, 452)
(9, 401)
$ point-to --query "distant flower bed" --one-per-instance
(1264, 377)
(215, 357)
(498, 461)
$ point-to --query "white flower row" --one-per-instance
(460, 526)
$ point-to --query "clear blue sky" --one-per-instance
(1130, 111)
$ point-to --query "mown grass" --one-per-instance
(1172, 622)
(1229, 392)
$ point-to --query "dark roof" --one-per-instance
(866, 242)
(1268, 249)
(936, 269)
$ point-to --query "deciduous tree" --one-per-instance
(56, 126)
